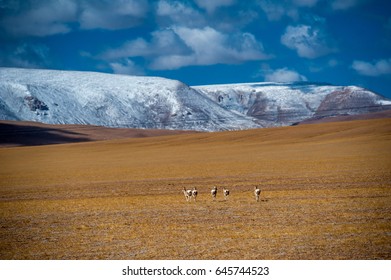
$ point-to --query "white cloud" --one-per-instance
(209, 46)
(42, 19)
(211, 5)
(45, 18)
(179, 14)
(113, 14)
(172, 61)
(378, 68)
(164, 41)
(309, 42)
(284, 75)
(183, 46)
(134, 48)
(127, 67)
(276, 10)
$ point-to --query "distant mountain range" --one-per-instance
(71, 97)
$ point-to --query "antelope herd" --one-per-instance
(192, 194)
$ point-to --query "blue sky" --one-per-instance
(342, 42)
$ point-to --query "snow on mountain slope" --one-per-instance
(278, 104)
(70, 97)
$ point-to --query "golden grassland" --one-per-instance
(326, 194)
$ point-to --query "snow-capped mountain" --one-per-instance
(71, 97)
(59, 97)
(276, 104)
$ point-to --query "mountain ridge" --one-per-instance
(74, 97)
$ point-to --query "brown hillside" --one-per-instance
(326, 194)
(18, 133)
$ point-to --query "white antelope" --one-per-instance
(194, 193)
(257, 193)
(187, 193)
(213, 192)
(226, 193)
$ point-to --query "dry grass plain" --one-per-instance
(326, 194)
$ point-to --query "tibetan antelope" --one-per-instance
(187, 193)
(213, 192)
(194, 193)
(226, 193)
(257, 193)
